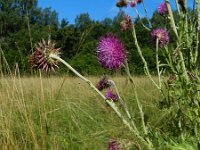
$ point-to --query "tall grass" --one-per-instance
(63, 113)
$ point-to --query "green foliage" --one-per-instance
(23, 24)
(85, 61)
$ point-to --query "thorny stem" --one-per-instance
(173, 26)
(198, 28)
(146, 13)
(146, 69)
(177, 7)
(183, 66)
(123, 104)
(141, 20)
(172, 23)
(137, 101)
(121, 101)
(157, 62)
(169, 60)
(198, 12)
(110, 103)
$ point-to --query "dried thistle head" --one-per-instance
(40, 58)
(126, 23)
(122, 3)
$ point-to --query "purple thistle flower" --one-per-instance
(113, 145)
(110, 95)
(110, 52)
(126, 23)
(103, 83)
(161, 35)
(162, 9)
(133, 3)
(40, 59)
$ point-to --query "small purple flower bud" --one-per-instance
(161, 35)
(110, 52)
(162, 9)
(133, 3)
(110, 95)
(113, 145)
(126, 23)
(103, 84)
(40, 59)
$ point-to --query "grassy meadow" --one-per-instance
(64, 113)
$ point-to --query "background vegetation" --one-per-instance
(23, 24)
(43, 113)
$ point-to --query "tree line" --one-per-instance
(23, 24)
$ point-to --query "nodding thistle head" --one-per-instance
(122, 3)
(111, 96)
(103, 84)
(40, 58)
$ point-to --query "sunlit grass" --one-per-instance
(64, 113)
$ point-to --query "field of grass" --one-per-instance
(64, 113)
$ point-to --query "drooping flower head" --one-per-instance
(40, 59)
(122, 3)
(126, 23)
(162, 9)
(103, 83)
(161, 35)
(133, 3)
(110, 52)
(110, 95)
(113, 145)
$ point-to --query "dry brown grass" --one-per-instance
(63, 112)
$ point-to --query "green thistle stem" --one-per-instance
(141, 20)
(146, 13)
(198, 12)
(146, 69)
(124, 105)
(138, 102)
(173, 26)
(157, 62)
(183, 66)
(169, 60)
(177, 7)
(198, 29)
(110, 103)
(172, 22)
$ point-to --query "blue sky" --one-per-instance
(97, 9)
